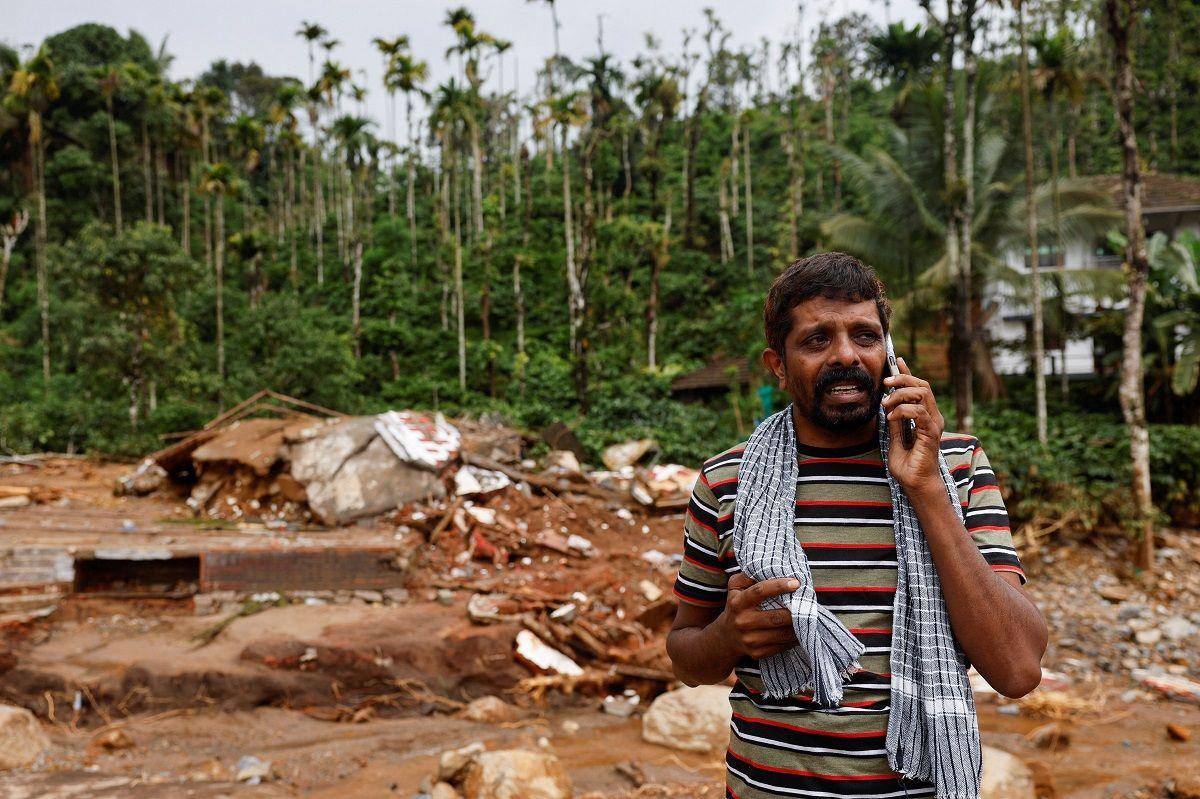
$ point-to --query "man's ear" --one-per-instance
(773, 364)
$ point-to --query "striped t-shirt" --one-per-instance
(791, 747)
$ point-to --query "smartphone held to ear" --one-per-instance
(907, 426)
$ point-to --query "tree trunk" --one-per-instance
(477, 182)
(116, 172)
(967, 219)
(459, 298)
(220, 276)
(659, 256)
(1035, 280)
(356, 300)
(723, 215)
(160, 177)
(961, 362)
(185, 221)
(147, 179)
(319, 214)
(749, 201)
(1120, 17)
(734, 136)
(38, 149)
(574, 290)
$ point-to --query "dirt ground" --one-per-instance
(349, 695)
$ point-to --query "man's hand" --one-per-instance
(746, 628)
(915, 469)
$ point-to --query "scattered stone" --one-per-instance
(621, 706)
(1054, 735)
(373, 597)
(1170, 685)
(445, 596)
(113, 740)
(516, 774)
(453, 763)
(649, 590)
(1116, 593)
(1005, 777)
(443, 790)
(1009, 710)
(1148, 637)
(22, 740)
(1178, 732)
(490, 710)
(1130, 610)
(570, 726)
(693, 719)
(1177, 628)
(252, 771)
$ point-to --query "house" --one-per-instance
(1170, 203)
(712, 380)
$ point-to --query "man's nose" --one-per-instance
(843, 352)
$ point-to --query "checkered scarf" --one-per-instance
(933, 732)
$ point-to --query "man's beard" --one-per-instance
(809, 399)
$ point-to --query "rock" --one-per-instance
(452, 764)
(1054, 735)
(22, 740)
(113, 740)
(1172, 686)
(1130, 610)
(1178, 732)
(693, 719)
(1187, 786)
(1116, 593)
(490, 710)
(367, 595)
(252, 771)
(1005, 776)
(1177, 628)
(1148, 637)
(146, 479)
(516, 774)
(444, 790)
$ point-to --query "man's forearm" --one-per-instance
(1000, 630)
(699, 655)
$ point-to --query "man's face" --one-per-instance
(833, 362)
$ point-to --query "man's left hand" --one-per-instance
(911, 398)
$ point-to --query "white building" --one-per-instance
(1170, 203)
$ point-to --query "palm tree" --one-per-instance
(311, 32)
(109, 79)
(220, 181)
(407, 74)
(567, 110)
(389, 49)
(354, 140)
(904, 226)
(450, 116)
(32, 90)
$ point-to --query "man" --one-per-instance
(826, 317)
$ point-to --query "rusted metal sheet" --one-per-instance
(308, 569)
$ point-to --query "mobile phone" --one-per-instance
(907, 426)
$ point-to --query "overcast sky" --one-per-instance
(264, 30)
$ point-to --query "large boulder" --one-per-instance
(1005, 776)
(22, 741)
(349, 472)
(693, 719)
(516, 774)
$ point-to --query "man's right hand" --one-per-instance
(749, 630)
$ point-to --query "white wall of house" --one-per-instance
(1009, 317)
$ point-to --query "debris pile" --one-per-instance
(277, 458)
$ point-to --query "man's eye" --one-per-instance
(868, 338)
(816, 341)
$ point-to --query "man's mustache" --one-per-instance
(854, 375)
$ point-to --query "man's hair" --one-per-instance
(832, 275)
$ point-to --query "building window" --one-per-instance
(1048, 256)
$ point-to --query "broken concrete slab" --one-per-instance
(692, 719)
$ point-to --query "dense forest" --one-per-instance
(563, 250)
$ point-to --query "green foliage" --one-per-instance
(1085, 469)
